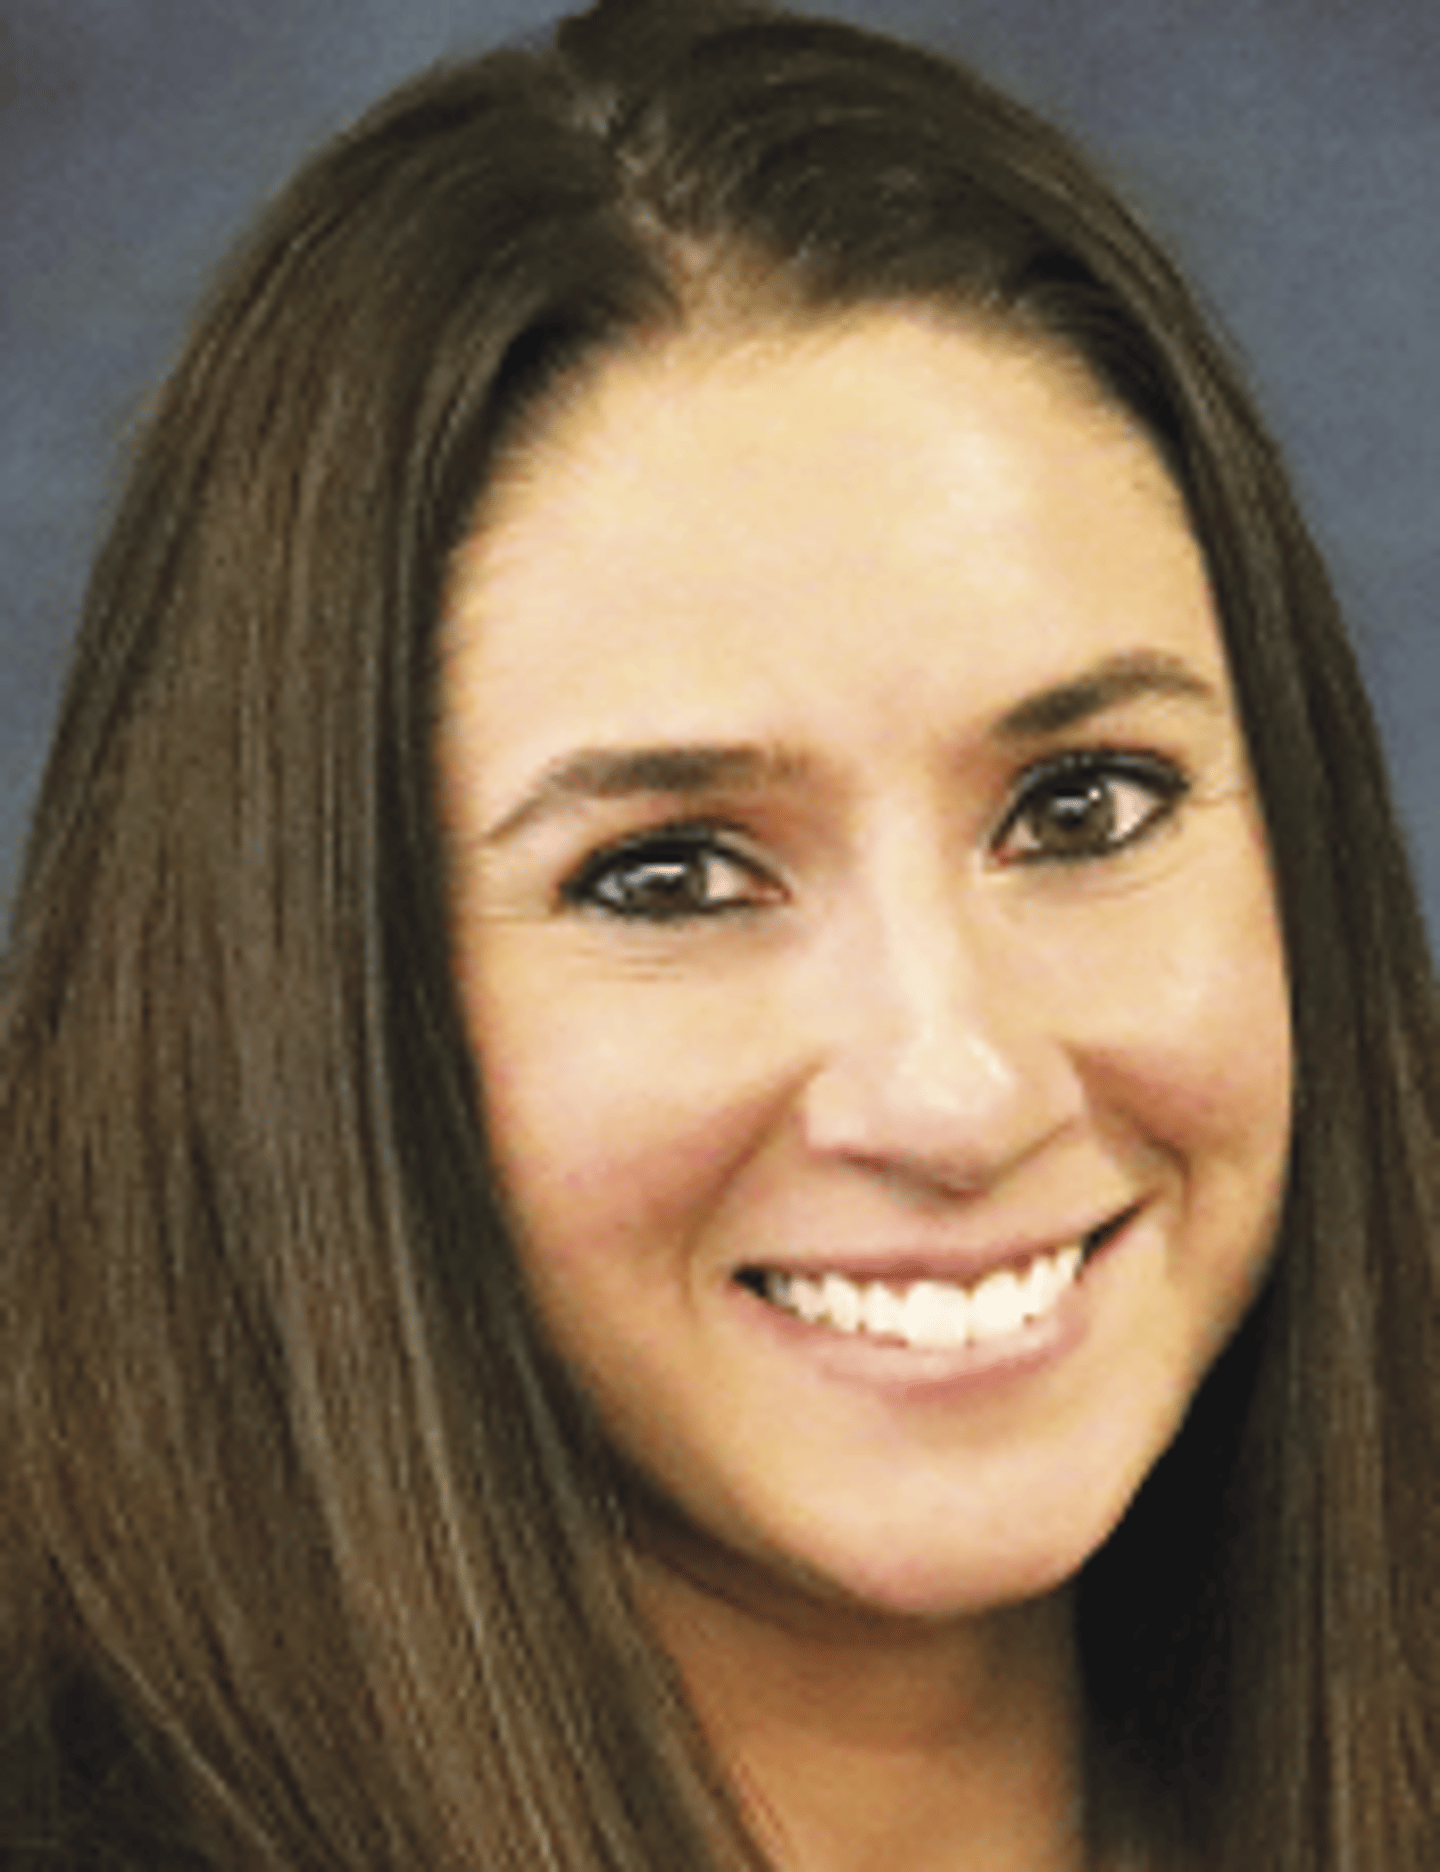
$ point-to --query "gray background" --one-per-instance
(1289, 149)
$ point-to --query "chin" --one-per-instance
(932, 1590)
(863, 1581)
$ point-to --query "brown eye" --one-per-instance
(1087, 807)
(670, 878)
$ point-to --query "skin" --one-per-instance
(969, 953)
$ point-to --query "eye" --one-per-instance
(1088, 805)
(669, 876)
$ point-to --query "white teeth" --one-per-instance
(883, 1311)
(842, 1302)
(806, 1298)
(997, 1306)
(1037, 1285)
(938, 1315)
(935, 1314)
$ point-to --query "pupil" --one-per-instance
(1083, 815)
(664, 882)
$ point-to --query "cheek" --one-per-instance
(1234, 1012)
(616, 1119)
(1211, 1045)
(1185, 991)
(1191, 1055)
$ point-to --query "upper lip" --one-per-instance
(899, 1267)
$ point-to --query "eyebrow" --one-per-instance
(692, 770)
(618, 773)
(1129, 676)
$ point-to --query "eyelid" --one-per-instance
(1163, 776)
(702, 837)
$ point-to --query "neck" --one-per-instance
(860, 1742)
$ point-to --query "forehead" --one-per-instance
(719, 521)
(765, 388)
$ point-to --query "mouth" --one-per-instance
(932, 1314)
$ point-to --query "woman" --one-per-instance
(719, 1115)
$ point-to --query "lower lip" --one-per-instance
(939, 1372)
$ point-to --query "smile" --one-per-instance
(930, 1314)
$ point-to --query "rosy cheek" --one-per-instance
(1186, 990)
(1211, 1084)
(619, 1126)
(1200, 1077)
(1241, 1023)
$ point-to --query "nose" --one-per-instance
(939, 1060)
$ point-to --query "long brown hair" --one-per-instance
(310, 1558)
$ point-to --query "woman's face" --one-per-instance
(863, 922)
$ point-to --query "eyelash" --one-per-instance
(680, 857)
(679, 851)
(1091, 778)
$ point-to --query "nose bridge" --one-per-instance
(933, 1056)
